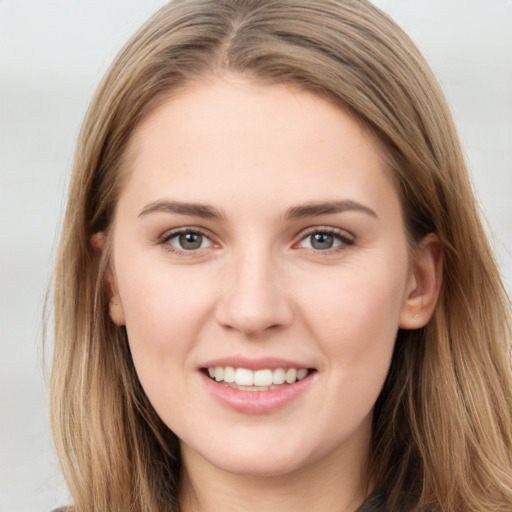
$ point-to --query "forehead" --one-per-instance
(227, 136)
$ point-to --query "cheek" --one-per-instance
(355, 326)
(164, 311)
(355, 315)
(164, 314)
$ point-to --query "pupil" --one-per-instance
(189, 241)
(322, 241)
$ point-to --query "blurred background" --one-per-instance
(53, 54)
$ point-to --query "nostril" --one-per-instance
(252, 302)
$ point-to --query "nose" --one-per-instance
(254, 299)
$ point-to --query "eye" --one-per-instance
(186, 240)
(325, 240)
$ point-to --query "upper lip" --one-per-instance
(259, 363)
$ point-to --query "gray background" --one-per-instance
(53, 53)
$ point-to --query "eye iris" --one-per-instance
(322, 241)
(190, 241)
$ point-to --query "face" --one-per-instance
(260, 266)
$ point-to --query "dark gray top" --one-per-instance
(374, 503)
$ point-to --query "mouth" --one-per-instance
(257, 386)
(265, 379)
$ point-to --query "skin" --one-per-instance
(256, 287)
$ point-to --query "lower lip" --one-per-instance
(256, 402)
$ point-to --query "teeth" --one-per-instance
(278, 376)
(291, 375)
(229, 374)
(300, 373)
(259, 380)
(243, 377)
(219, 373)
(263, 378)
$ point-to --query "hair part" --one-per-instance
(442, 436)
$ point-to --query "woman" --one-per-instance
(273, 287)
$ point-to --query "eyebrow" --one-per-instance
(296, 212)
(192, 209)
(329, 207)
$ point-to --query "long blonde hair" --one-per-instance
(442, 434)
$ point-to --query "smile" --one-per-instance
(261, 390)
(260, 380)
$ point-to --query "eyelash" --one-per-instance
(167, 237)
(345, 239)
(341, 236)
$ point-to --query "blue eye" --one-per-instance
(324, 240)
(187, 240)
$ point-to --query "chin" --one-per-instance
(257, 459)
(260, 466)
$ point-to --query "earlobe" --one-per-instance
(424, 284)
(115, 307)
(97, 241)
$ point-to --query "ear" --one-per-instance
(424, 284)
(115, 307)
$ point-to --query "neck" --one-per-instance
(328, 485)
